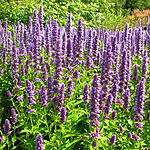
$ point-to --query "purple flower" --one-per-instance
(89, 62)
(30, 93)
(58, 62)
(30, 111)
(9, 94)
(95, 122)
(112, 139)
(86, 93)
(68, 28)
(19, 98)
(62, 115)
(107, 106)
(126, 98)
(49, 89)
(43, 94)
(144, 66)
(138, 124)
(139, 96)
(76, 74)
(95, 134)
(129, 135)
(114, 113)
(121, 128)
(135, 137)
(36, 80)
(94, 144)
(140, 130)
(39, 142)
(7, 127)
(13, 115)
(1, 139)
(70, 89)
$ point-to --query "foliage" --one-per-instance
(93, 13)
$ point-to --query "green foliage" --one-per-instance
(94, 13)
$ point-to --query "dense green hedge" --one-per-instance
(92, 12)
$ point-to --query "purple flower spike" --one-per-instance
(138, 124)
(30, 93)
(129, 135)
(62, 115)
(7, 127)
(13, 115)
(114, 113)
(112, 139)
(86, 93)
(76, 74)
(30, 111)
(121, 128)
(43, 94)
(94, 144)
(39, 142)
(9, 94)
(1, 139)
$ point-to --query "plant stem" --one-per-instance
(47, 122)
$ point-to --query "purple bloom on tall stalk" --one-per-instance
(69, 53)
(107, 106)
(122, 72)
(126, 98)
(43, 94)
(62, 115)
(121, 128)
(39, 142)
(79, 39)
(30, 93)
(70, 89)
(89, 43)
(68, 28)
(54, 35)
(76, 74)
(139, 96)
(144, 66)
(9, 94)
(50, 88)
(89, 62)
(113, 115)
(13, 115)
(1, 139)
(114, 90)
(138, 124)
(58, 62)
(23, 70)
(44, 73)
(7, 127)
(112, 139)
(86, 93)
(135, 73)
(41, 19)
(14, 64)
(94, 144)
(30, 111)
(129, 135)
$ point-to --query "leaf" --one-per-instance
(70, 144)
(69, 135)
(130, 122)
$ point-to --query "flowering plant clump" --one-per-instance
(74, 88)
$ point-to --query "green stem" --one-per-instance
(8, 142)
(31, 122)
(47, 122)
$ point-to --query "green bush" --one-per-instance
(94, 13)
